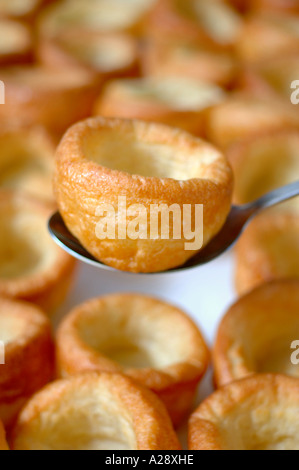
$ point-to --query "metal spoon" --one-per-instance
(237, 220)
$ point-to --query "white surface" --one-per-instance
(204, 293)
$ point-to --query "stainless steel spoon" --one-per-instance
(237, 220)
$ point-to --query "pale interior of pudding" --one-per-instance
(104, 53)
(12, 325)
(122, 151)
(269, 164)
(135, 340)
(265, 343)
(85, 417)
(13, 37)
(181, 94)
(219, 20)
(98, 15)
(26, 164)
(17, 7)
(267, 423)
(26, 247)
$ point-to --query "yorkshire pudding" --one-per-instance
(277, 32)
(268, 250)
(103, 16)
(242, 116)
(149, 340)
(27, 162)
(109, 55)
(181, 58)
(15, 42)
(51, 98)
(94, 412)
(176, 101)
(256, 334)
(29, 355)
(32, 267)
(19, 8)
(3, 443)
(272, 78)
(105, 167)
(213, 22)
(264, 163)
(257, 413)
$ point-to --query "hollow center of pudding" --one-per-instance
(25, 245)
(179, 94)
(148, 157)
(133, 340)
(265, 422)
(105, 54)
(281, 75)
(25, 165)
(86, 418)
(267, 165)
(13, 37)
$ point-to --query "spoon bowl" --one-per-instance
(236, 222)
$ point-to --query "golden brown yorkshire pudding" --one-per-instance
(51, 98)
(268, 249)
(109, 55)
(179, 58)
(257, 413)
(257, 333)
(264, 163)
(277, 32)
(32, 267)
(213, 22)
(272, 78)
(175, 101)
(242, 116)
(102, 160)
(15, 42)
(3, 443)
(25, 332)
(27, 162)
(144, 338)
(103, 16)
(94, 412)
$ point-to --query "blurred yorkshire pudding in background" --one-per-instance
(175, 101)
(15, 42)
(267, 250)
(213, 22)
(256, 334)
(29, 356)
(94, 15)
(149, 340)
(276, 5)
(27, 162)
(3, 443)
(257, 413)
(242, 116)
(114, 54)
(181, 58)
(100, 160)
(51, 98)
(264, 163)
(278, 33)
(272, 78)
(20, 9)
(32, 267)
(94, 412)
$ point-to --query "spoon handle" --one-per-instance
(275, 197)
